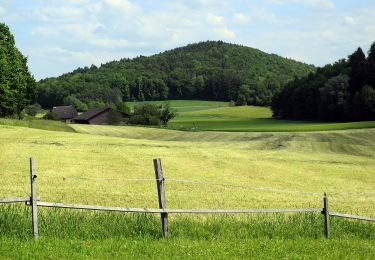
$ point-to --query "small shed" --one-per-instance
(102, 116)
(65, 113)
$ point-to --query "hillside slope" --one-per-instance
(208, 70)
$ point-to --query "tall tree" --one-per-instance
(370, 77)
(17, 86)
(357, 62)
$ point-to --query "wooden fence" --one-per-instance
(35, 202)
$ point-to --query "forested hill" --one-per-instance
(211, 70)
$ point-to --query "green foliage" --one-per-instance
(152, 114)
(72, 100)
(123, 108)
(33, 109)
(51, 116)
(166, 113)
(208, 70)
(145, 114)
(335, 92)
(17, 86)
(334, 98)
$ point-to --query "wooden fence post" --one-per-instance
(33, 199)
(326, 215)
(161, 195)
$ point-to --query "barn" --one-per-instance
(102, 116)
(65, 113)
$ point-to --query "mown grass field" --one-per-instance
(196, 115)
(102, 165)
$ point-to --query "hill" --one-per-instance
(211, 70)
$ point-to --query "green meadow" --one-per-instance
(112, 166)
(196, 115)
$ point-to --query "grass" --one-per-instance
(77, 234)
(37, 124)
(186, 105)
(102, 165)
(252, 119)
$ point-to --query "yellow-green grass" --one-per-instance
(254, 119)
(274, 170)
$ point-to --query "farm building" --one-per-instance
(65, 113)
(102, 116)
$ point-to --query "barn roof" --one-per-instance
(65, 112)
(91, 113)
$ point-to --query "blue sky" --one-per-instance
(59, 36)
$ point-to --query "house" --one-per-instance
(65, 113)
(102, 116)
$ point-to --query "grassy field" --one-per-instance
(196, 115)
(103, 165)
(182, 106)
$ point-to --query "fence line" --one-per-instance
(34, 202)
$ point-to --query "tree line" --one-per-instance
(211, 70)
(343, 91)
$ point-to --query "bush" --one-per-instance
(32, 110)
(145, 114)
(51, 116)
(123, 108)
(166, 113)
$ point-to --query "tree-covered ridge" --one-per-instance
(343, 91)
(208, 70)
(17, 86)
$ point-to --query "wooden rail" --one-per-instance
(14, 200)
(171, 211)
(335, 214)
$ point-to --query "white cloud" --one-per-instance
(225, 33)
(241, 18)
(214, 19)
(124, 6)
(350, 20)
(2, 11)
(323, 4)
(63, 14)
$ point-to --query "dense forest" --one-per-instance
(343, 91)
(17, 86)
(211, 70)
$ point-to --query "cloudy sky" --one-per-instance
(59, 36)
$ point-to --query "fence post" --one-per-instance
(33, 199)
(326, 215)
(161, 195)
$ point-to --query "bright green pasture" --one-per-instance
(103, 165)
(186, 105)
(252, 119)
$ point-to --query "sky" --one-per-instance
(60, 36)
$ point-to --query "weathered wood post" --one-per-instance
(161, 195)
(326, 215)
(33, 199)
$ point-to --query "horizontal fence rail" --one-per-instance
(176, 211)
(163, 210)
(335, 214)
(14, 200)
